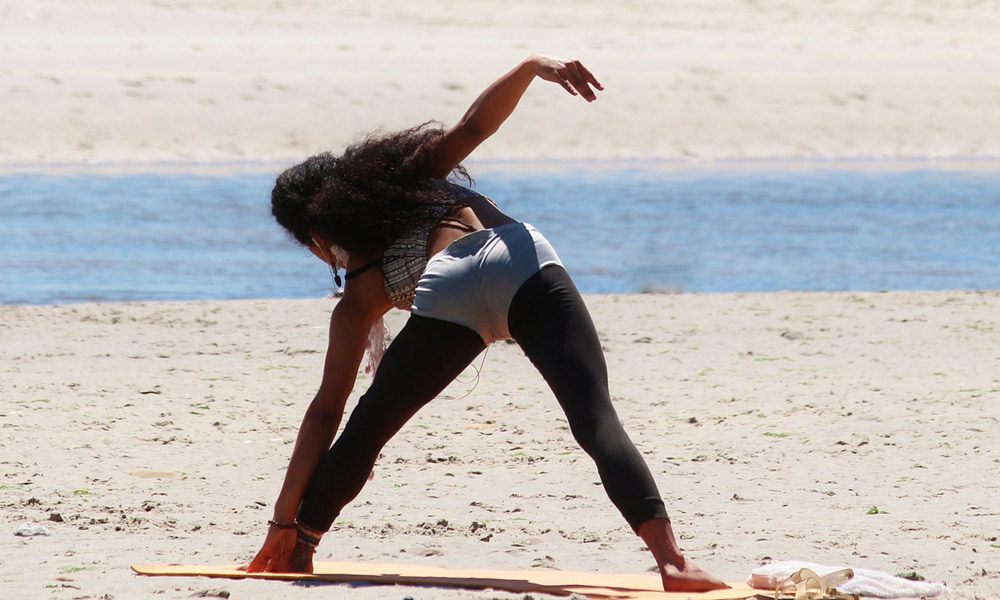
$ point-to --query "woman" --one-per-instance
(470, 275)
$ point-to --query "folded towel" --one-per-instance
(866, 582)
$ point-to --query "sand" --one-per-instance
(775, 424)
(851, 428)
(256, 80)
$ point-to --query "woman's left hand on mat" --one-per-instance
(275, 554)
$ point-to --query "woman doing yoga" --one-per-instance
(470, 275)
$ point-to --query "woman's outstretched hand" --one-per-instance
(275, 555)
(499, 100)
(571, 74)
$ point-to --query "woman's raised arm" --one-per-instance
(498, 101)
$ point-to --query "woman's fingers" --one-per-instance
(258, 564)
(263, 562)
(561, 77)
(254, 566)
(274, 554)
(574, 77)
(589, 76)
(577, 75)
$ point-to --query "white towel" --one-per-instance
(866, 582)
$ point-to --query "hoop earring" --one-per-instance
(337, 282)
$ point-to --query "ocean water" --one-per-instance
(99, 237)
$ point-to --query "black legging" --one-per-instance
(550, 322)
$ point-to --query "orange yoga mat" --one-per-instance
(619, 586)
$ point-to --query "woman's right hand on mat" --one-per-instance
(275, 554)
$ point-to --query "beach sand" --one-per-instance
(273, 80)
(841, 428)
(775, 424)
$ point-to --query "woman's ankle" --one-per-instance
(659, 538)
(301, 560)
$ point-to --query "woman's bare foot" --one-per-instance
(301, 560)
(688, 578)
(678, 573)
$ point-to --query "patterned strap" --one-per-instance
(405, 260)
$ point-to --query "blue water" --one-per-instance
(73, 238)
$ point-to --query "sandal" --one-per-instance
(805, 584)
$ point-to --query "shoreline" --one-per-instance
(612, 296)
(659, 165)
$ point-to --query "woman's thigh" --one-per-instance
(425, 357)
(551, 323)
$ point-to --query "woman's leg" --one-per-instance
(423, 359)
(550, 321)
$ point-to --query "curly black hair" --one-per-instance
(365, 199)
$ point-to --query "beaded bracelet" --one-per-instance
(291, 525)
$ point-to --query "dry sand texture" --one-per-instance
(257, 80)
(776, 424)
